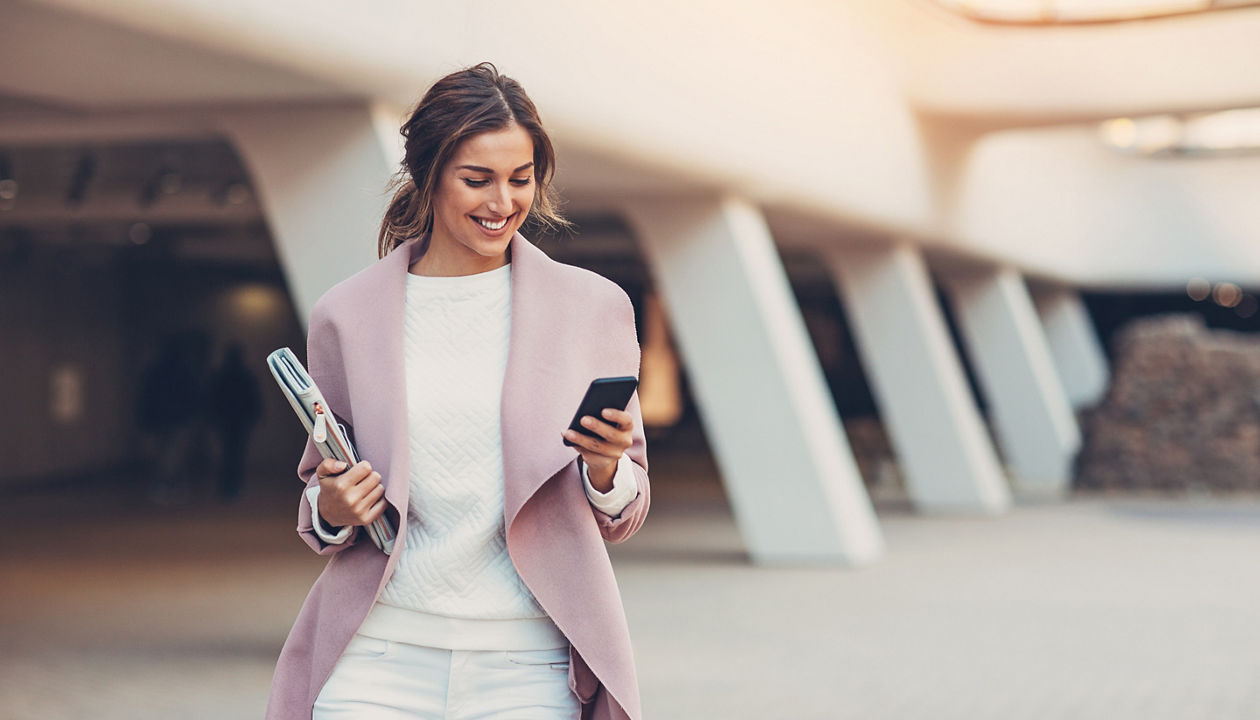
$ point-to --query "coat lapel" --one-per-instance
(536, 403)
(380, 340)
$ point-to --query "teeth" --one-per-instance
(491, 226)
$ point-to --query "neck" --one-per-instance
(439, 261)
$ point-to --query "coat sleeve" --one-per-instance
(620, 528)
(323, 359)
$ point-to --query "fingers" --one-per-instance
(329, 467)
(610, 444)
(362, 477)
(328, 473)
(369, 501)
(354, 496)
(374, 512)
(586, 442)
(615, 428)
(356, 492)
(621, 419)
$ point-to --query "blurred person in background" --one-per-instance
(457, 361)
(167, 410)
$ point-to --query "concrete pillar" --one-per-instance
(1030, 412)
(321, 173)
(787, 467)
(1078, 354)
(946, 457)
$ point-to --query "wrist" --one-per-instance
(330, 534)
(625, 488)
(323, 523)
(321, 519)
(601, 477)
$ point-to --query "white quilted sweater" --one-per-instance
(455, 562)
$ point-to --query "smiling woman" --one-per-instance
(482, 199)
(456, 361)
(495, 114)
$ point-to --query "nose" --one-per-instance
(500, 201)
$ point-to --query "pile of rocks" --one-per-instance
(1182, 412)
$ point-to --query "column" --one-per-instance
(321, 173)
(1030, 412)
(793, 483)
(945, 454)
(1078, 354)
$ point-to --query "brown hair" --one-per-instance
(465, 103)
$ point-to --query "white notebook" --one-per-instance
(328, 435)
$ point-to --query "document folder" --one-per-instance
(329, 436)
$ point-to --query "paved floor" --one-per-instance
(1099, 607)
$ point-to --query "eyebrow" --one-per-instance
(488, 171)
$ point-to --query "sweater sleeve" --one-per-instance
(624, 490)
(321, 527)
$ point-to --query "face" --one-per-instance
(483, 196)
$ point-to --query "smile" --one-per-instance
(491, 225)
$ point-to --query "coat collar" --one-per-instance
(532, 399)
(535, 402)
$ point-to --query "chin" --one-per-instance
(490, 248)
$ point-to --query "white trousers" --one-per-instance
(387, 680)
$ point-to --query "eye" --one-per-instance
(522, 182)
(475, 183)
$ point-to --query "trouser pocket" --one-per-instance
(556, 659)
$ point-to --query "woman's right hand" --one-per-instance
(353, 496)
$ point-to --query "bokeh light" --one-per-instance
(1198, 289)
(1227, 294)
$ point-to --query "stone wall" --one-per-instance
(1182, 412)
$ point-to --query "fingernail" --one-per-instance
(340, 466)
(588, 421)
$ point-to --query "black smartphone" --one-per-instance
(610, 392)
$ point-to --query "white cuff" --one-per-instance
(312, 496)
(624, 490)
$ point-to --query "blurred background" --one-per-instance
(948, 313)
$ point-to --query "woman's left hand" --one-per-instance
(601, 454)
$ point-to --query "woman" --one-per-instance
(457, 361)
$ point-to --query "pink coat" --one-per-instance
(568, 327)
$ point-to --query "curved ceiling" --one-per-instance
(994, 77)
(876, 114)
